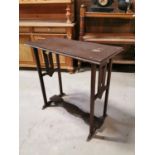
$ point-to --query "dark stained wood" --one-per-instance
(101, 81)
(40, 76)
(107, 90)
(78, 50)
(59, 75)
(92, 101)
(49, 65)
(89, 52)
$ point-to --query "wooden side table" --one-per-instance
(95, 54)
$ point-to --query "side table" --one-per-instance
(96, 54)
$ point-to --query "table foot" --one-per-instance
(55, 100)
(61, 95)
(45, 106)
(90, 136)
(98, 123)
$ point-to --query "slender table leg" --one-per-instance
(107, 90)
(92, 101)
(79, 65)
(40, 77)
(59, 75)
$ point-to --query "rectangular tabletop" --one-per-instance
(85, 51)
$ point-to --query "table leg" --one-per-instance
(107, 90)
(92, 102)
(59, 75)
(40, 77)
(79, 65)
